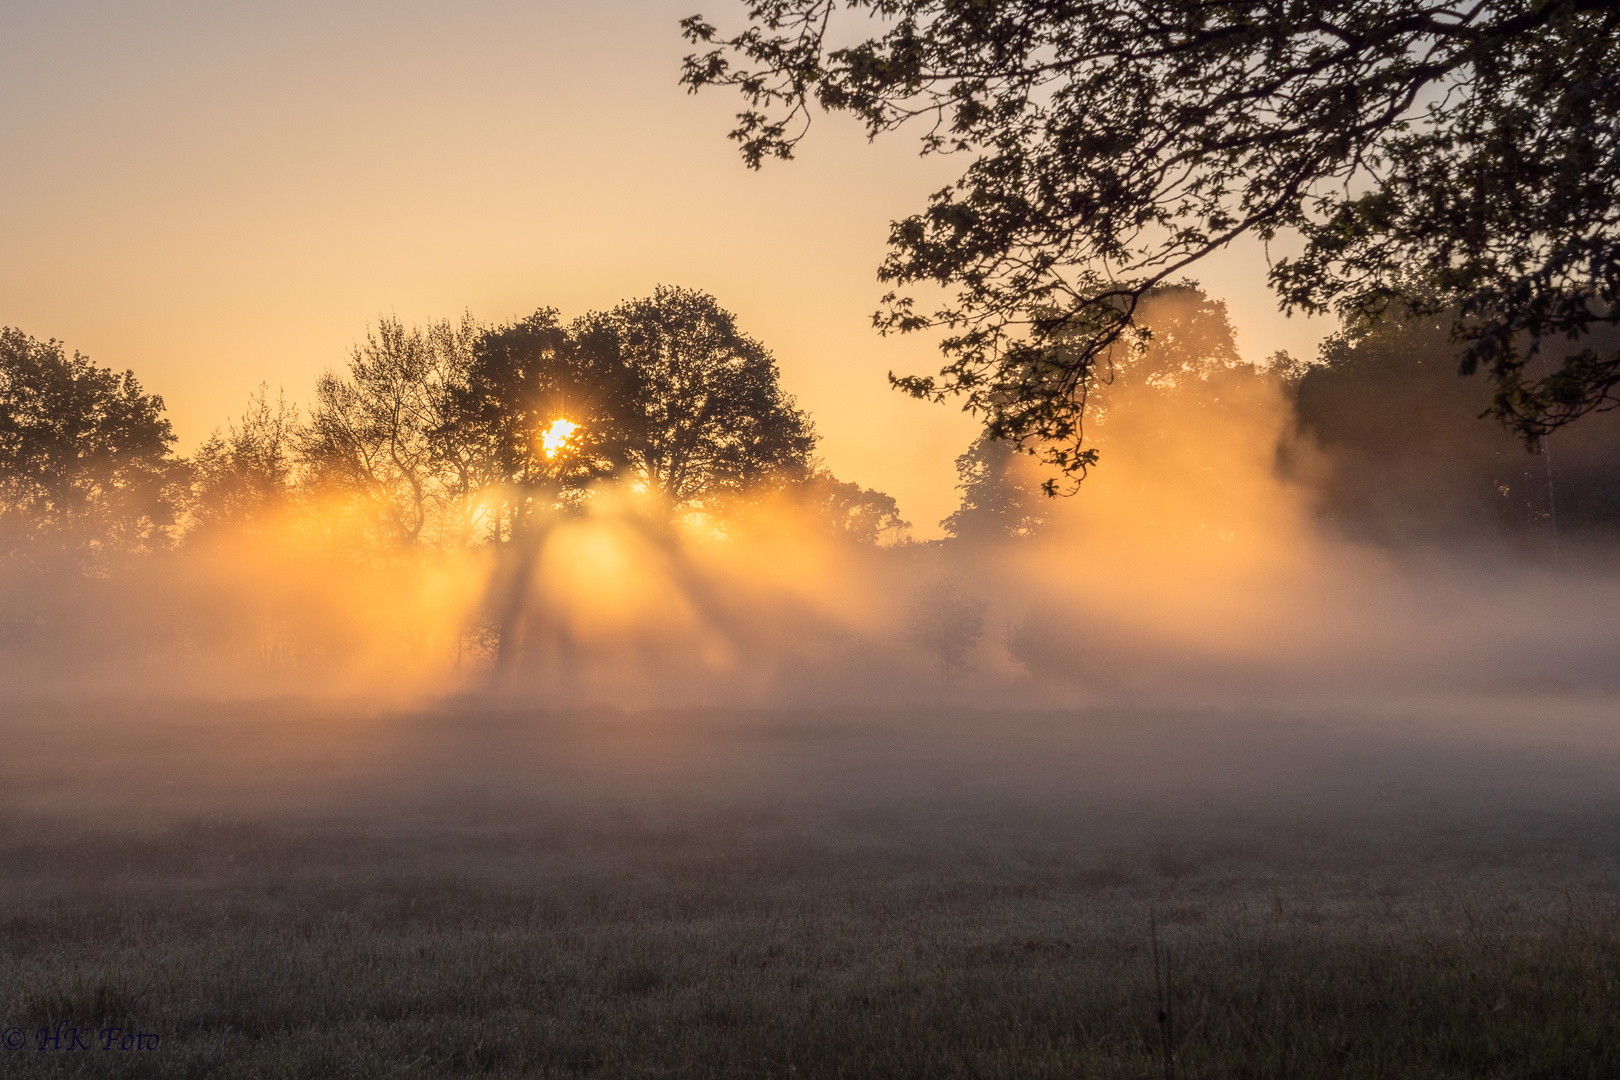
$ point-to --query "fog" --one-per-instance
(1193, 566)
(655, 791)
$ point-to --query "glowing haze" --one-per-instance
(219, 194)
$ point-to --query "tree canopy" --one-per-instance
(1398, 457)
(85, 465)
(544, 414)
(381, 428)
(241, 474)
(863, 515)
(997, 502)
(703, 412)
(664, 391)
(1422, 156)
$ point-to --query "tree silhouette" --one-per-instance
(86, 473)
(543, 419)
(379, 430)
(1426, 157)
(851, 512)
(948, 623)
(705, 414)
(523, 380)
(997, 503)
(664, 391)
(1405, 461)
(249, 470)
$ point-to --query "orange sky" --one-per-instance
(221, 193)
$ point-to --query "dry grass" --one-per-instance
(287, 891)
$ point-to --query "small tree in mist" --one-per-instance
(86, 470)
(949, 623)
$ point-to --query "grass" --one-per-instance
(458, 894)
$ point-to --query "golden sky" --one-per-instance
(217, 193)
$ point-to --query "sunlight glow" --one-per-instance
(557, 436)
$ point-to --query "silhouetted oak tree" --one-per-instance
(523, 379)
(664, 390)
(1436, 156)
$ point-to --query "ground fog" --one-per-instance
(485, 887)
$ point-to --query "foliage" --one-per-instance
(1406, 461)
(1188, 337)
(521, 380)
(664, 391)
(997, 503)
(86, 472)
(381, 431)
(947, 622)
(1422, 155)
(864, 515)
(1188, 357)
(705, 413)
(248, 471)
(1189, 362)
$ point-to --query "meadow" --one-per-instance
(481, 887)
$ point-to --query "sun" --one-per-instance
(557, 435)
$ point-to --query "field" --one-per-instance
(296, 889)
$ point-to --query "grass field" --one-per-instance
(286, 889)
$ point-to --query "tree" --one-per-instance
(248, 470)
(542, 416)
(86, 471)
(948, 623)
(997, 503)
(664, 391)
(864, 515)
(1427, 157)
(378, 430)
(1191, 339)
(542, 419)
(1405, 461)
(705, 414)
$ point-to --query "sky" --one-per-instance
(221, 194)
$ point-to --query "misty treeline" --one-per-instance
(449, 435)
(430, 441)
(1385, 440)
(425, 495)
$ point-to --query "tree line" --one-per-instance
(449, 435)
(457, 436)
(1389, 445)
